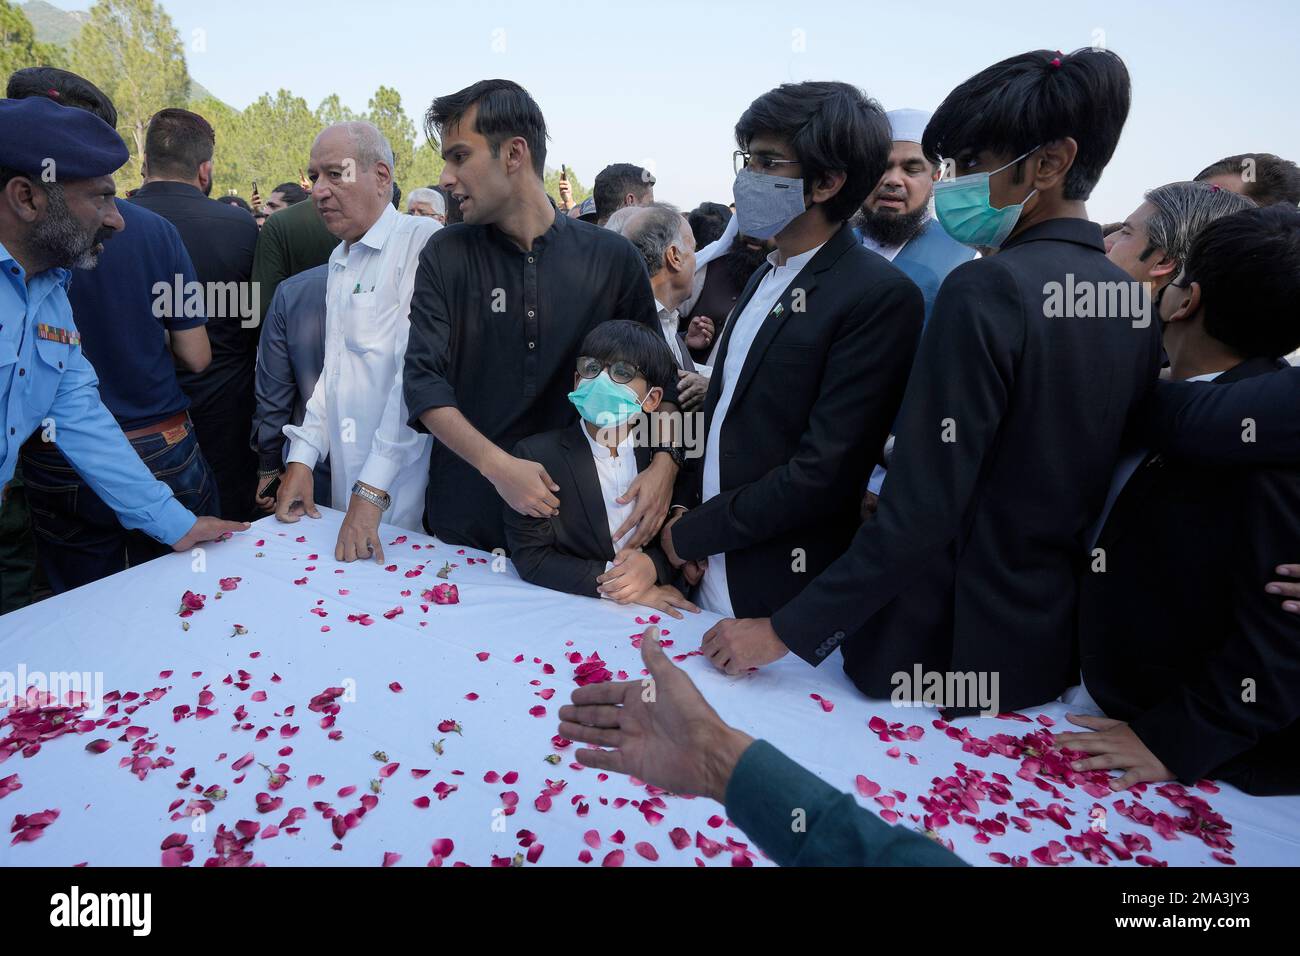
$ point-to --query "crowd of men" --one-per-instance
(901, 398)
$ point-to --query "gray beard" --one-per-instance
(891, 229)
(60, 239)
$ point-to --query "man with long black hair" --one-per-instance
(1013, 415)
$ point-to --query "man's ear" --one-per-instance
(828, 184)
(1191, 305)
(384, 175)
(653, 399)
(21, 199)
(205, 173)
(1163, 268)
(673, 258)
(517, 155)
(1048, 168)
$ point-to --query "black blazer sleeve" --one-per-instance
(955, 399)
(533, 550)
(1251, 421)
(1206, 722)
(865, 369)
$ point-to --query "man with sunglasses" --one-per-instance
(1013, 416)
(812, 364)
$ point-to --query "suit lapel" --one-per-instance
(577, 455)
(803, 284)
(714, 391)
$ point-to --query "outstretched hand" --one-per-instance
(660, 728)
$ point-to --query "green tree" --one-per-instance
(386, 112)
(269, 142)
(552, 181)
(426, 167)
(131, 51)
(19, 47)
(332, 110)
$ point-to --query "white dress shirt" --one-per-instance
(714, 595)
(887, 251)
(356, 415)
(668, 319)
(616, 474)
(668, 323)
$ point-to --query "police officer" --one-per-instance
(56, 210)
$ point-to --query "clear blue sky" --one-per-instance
(663, 83)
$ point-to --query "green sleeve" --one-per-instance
(270, 267)
(765, 793)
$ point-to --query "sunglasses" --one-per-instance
(620, 371)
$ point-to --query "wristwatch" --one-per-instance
(676, 452)
(380, 500)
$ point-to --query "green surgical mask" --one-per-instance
(963, 208)
(603, 402)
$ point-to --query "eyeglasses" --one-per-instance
(742, 159)
(621, 372)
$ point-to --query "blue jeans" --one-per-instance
(78, 537)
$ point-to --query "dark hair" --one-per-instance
(622, 340)
(177, 142)
(292, 193)
(1248, 268)
(235, 201)
(614, 182)
(708, 222)
(1276, 180)
(397, 196)
(505, 109)
(1035, 98)
(832, 127)
(63, 87)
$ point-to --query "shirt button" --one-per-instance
(531, 313)
(22, 372)
(532, 345)
(530, 259)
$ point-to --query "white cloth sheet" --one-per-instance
(127, 628)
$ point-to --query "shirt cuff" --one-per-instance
(379, 472)
(303, 452)
(421, 398)
(174, 523)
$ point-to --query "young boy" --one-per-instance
(622, 371)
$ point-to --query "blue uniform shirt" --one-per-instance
(115, 309)
(47, 383)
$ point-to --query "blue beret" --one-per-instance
(36, 129)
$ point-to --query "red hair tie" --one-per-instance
(1056, 62)
(54, 93)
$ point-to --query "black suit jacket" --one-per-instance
(1208, 421)
(1006, 441)
(568, 552)
(813, 405)
(1179, 618)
